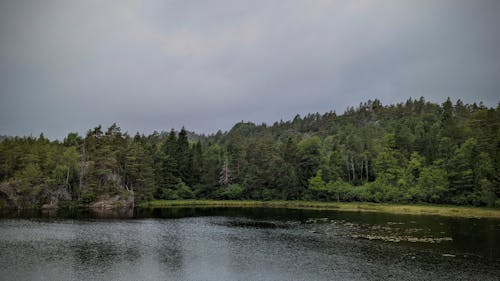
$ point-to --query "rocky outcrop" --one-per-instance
(8, 198)
(12, 197)
(108, 202)
(54, 197)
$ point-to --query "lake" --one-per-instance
(246, 244)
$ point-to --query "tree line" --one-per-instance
(416, 151)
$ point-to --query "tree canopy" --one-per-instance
(416, 151)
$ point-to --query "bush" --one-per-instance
(497, 203)
(183, 191)
(269, 194)
(233, 191)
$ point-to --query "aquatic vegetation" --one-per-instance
(427, 209)
(402, 238)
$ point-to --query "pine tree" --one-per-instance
(182, 156)
(196, 164)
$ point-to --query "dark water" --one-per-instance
(246, 244)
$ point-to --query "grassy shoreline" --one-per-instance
(439, 210)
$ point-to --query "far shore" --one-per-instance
(410, 209)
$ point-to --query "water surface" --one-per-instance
(246, 244)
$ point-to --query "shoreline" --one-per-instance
(404, 209)
(388, 208)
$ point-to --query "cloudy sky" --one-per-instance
(153, 65)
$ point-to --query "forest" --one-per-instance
(411, 152)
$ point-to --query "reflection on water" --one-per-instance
(244, 244)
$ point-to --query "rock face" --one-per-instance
(11, 197)
(53, 198)
(107, 202)
(8, 198)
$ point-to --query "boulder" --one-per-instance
(53, 197)
(8, 196)
(109, 202)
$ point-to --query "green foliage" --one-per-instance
(415, 151)
(182, 191)
(309, 158)
(432, 185)
(388, 164)
(317, 183)
(139, 172)
(232, 191)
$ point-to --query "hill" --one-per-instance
(416, 151)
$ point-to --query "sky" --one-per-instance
(68, 66)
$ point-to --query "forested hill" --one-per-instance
(415, 151)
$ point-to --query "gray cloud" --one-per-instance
(70, 65)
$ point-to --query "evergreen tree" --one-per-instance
(309, 158)
(415, 151)
(182, 156)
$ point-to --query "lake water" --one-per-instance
(246, 244)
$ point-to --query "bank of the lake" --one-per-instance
(427, 209)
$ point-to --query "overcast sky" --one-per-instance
(153, 65)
